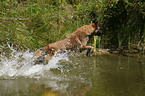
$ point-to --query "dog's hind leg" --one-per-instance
(38, 53)
(47, 58)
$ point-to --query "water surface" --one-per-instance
(70, 75)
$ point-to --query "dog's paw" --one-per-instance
(89, 51)
(93, 54)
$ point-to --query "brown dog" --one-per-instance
(75, 41)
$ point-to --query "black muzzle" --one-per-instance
(99, 32)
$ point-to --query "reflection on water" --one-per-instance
(71, 75)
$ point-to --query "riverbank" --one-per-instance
(134, 52)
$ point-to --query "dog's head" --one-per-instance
(97, 31)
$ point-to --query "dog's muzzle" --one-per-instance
(99, 32)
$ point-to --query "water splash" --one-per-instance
(15, 63)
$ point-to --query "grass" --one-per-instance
(35, 23)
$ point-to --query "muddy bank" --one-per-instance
(134, 51)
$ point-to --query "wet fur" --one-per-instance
(75, 41)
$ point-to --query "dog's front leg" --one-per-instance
(84, 47)
(84, 43)
(88, 48)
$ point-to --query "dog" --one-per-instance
(75, 41)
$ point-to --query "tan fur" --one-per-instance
(74, 41)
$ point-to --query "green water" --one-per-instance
(83, 76)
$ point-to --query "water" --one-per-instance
(18, 63)
(70, 75)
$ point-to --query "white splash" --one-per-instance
(19, 63)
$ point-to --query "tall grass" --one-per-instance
(35, 23)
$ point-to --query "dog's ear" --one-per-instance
(94, 23)
(91, 22)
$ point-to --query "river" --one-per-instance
(70, 74)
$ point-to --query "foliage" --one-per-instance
(124, 23)
(35, 23)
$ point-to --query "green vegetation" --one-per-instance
(35, 23)
(124, 23)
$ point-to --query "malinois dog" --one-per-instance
(75, 41)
